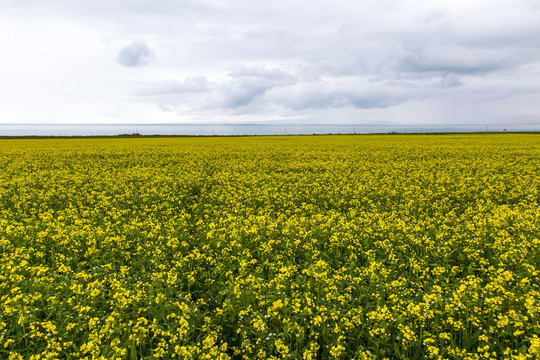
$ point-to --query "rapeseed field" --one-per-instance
(292, 247)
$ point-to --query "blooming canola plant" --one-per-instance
(296, 247)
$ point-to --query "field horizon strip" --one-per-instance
(271, 247)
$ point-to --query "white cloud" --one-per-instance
(191, 84)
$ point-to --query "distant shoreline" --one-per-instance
(135, 136)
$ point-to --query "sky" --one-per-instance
(295, 61)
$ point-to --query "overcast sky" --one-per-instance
(165, 61)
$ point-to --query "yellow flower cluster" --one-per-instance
(298, 247)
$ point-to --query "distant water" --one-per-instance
(242, 129)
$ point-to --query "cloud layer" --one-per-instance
(414, 61)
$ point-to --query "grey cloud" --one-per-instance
(237, 95)
(253, 88)
(449, 81)
(336, 100)
(451, 60)
(245, 83)
(136, 54)
(321, 95)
